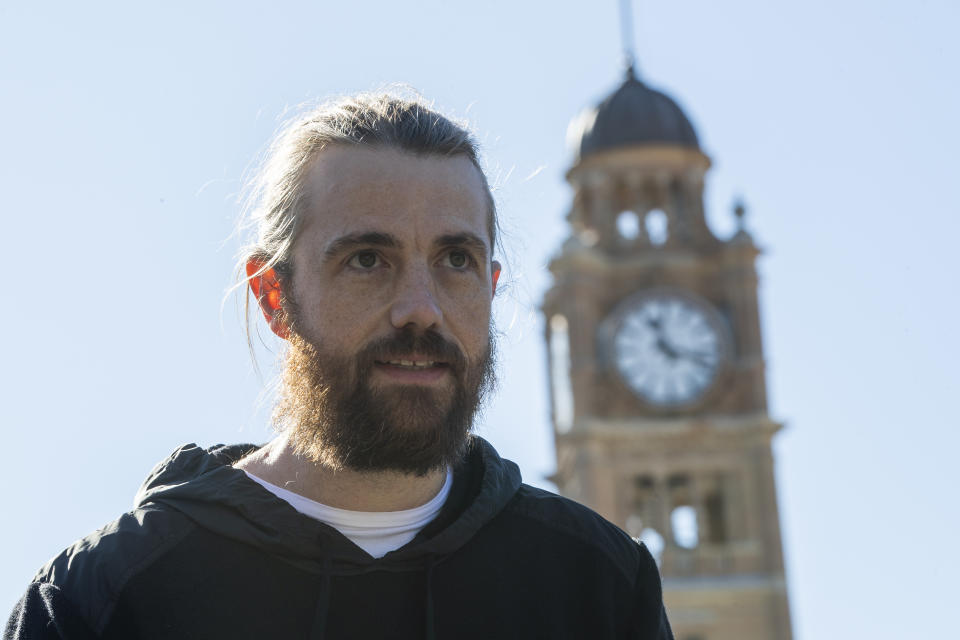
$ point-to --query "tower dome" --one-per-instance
(632, 115)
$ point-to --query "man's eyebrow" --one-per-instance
(366, 238)
(468, 240)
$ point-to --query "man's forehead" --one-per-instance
(354, 188)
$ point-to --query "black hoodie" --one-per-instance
(208, 553)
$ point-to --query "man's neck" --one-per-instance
(279, 464)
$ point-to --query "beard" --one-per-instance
(338, 418)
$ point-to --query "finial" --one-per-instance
(740, 211)
(626, 32)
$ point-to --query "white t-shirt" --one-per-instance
(376, 532)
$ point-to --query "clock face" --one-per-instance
(668, 347)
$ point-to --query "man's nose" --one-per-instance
(415, 301)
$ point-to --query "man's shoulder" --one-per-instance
(554, 515)
(92, 571)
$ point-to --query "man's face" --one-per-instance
(389, 305)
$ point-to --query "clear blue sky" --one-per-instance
(126, 131)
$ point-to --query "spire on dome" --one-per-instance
(634, 114)
(626, 33)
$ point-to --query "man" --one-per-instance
(374, 513)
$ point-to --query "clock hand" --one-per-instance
(673, 353)
(661, 343)
(666, 349)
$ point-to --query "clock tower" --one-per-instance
(656, 366)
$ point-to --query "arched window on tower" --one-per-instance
(649, 536)
(654, 542)
(656, 226)
(683, 515)
(642, 522)
(721, 523)
(628, 225)
(713, 504)
(683, 523)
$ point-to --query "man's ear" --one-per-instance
(266, 289)
(495, 272)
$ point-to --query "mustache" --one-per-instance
(407, 341)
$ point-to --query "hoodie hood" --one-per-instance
(205, 487)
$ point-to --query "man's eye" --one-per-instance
(365, 260)
(458, 259)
